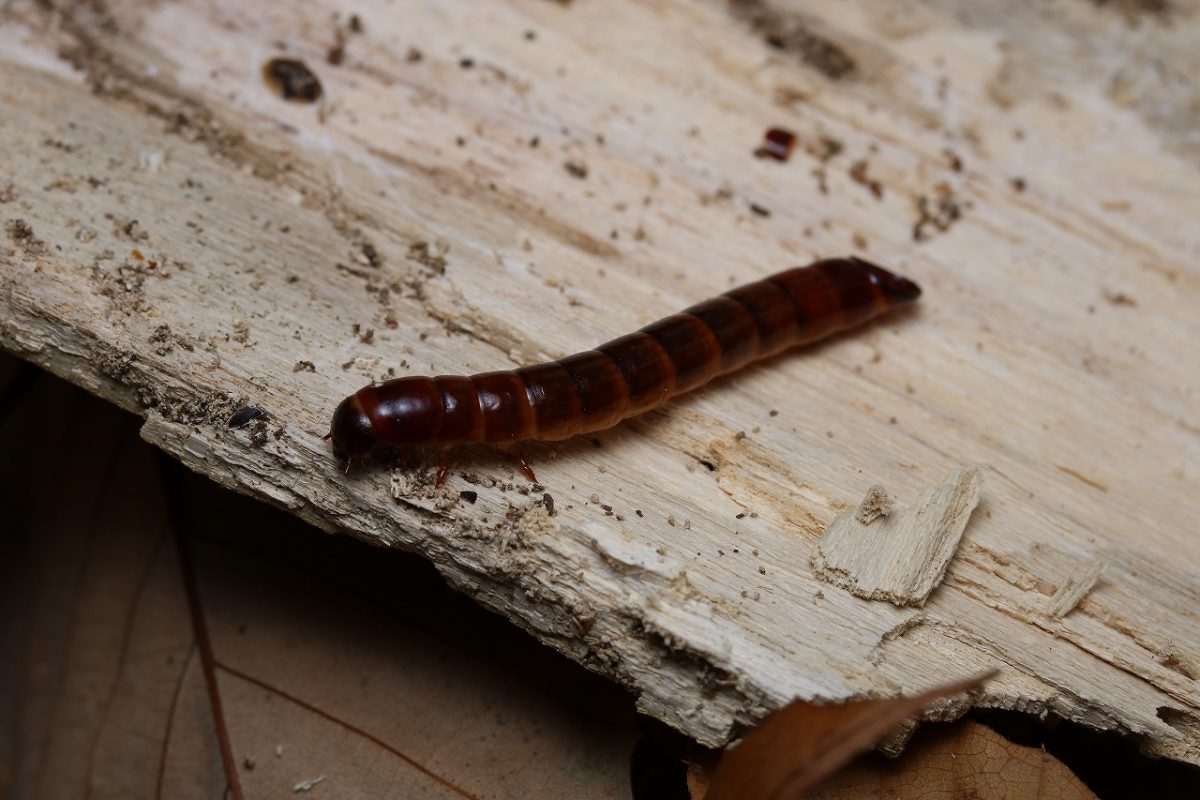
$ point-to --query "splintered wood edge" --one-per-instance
(899, 555)
(1075, 588)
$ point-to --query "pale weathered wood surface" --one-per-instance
(182, 241)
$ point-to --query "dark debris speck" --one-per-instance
(244, 416)
(777, 144)
(292, 80)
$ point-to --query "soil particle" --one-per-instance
(292, 80)
(858, 173)
(162, 340)
(777, 144)
(21, 234)
(936, 213)
(244, 416)
(791, 32)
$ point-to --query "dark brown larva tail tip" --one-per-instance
(897, 289)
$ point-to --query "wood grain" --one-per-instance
(484, 187)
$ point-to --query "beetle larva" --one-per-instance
(596, 389)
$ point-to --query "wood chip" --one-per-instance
(1075, 589)
(902, 557)
(875, 505)
(305, 786)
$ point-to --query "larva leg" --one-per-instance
(524, 465)
(515, 454)
(443, 467)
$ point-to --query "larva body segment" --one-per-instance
(596, 389)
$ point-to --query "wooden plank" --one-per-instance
(481, 186)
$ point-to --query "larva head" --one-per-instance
(896, 290)
(401, 412)
(352, 431)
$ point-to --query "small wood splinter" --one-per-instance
(596, 389)
(875, 505)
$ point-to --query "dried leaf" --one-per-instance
(796, 747)
(702, 762)
(963, 760)
(103, 693)
(330, 669)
